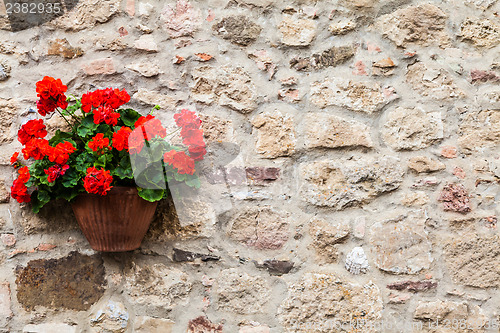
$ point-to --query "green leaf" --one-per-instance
(61, 137)
(194, 182)
(84, 161)
(151, 195)
(70, 178)
(87, 126)
(179, 177)
(39, 199)
(69, 193)
(129, 116)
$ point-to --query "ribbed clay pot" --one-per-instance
(115, 222)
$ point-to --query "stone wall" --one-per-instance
(353, 172)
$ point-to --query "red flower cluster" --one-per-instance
(19, 191)
(60, 153)
(105, 102)
(120, 138)
(98, 142)
(151, 127)
(31, 130)
(97, 181)
(180, 161)
(135, 142)
(191, 133)
(13, 158)
(51, 93)
(36, 148)
(55, 171)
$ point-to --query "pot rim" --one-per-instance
(115, 190)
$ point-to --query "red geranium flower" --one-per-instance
(186, 117)
(151, 127)
(60, 153)
(55, 171)
(31, 130)
(105, 114)
(36, 148)
(51, 93)
(120, 138)
(19, 191)
(135, 142)
(98, 142)
(109, 97)
(197, 152)
(180, 161)
(24, 174)
(13, 159)
(97, 181)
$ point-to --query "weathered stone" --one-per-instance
(226, 175)
(344, 183)
(401, 244)
(481, 32)
(55, 217)
(264, 62)
(156, 285)
(144, 324)
(329, 58)
(256, 328)
(182, 21)
(155, 98)
(423, 24)
(99, 66)
(366, 97)
(181, 256)
(111, 318)
(477, 76)
(49, 328)
(216, 129)
(275, 134)
(318, 301)
(8, 240)
(260, 227)
(413, 286)
(412, 128)
(329, 131)
(262, 175)
(421, 164)
(4, 192)
(356, 261)
(238, 30)
(297, 31)
(480, 130)
(61, 47)
(473, 260)
(73, 282)
(470, 315)
(342, 27)
(146, 43)
(415, 199)
(435, 83)
(4, 70)
(231, 87)
(325, 237)
(275, 267)
(482, 4)
(398, 298)
(145, 68)
(87, 14)
(8, 120)
(383, 67)
(455, 198)
(203, 325)
(241, 293)
(5, 304)
(449, 151)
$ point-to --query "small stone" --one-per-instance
(241, 293)
(276, 267)
(359, 228)
(263, 61)
(8, 240)
(262, 175)
(432, 82)
(45, 247)
(415, 199)
(5, 304)
(356, 261)
(238, 30)
(423, 24)
(63, 48)
(146, 43)
(459, 172)
(39, 283)
(342, 27)
(482, 4)
(179, 60)
(325, 237)
(412, 128)
(145, 324)
(413, 286)
(359, 68)
(203, 325)
(448, 311)
(216, 129)
(297, 31)
(4, 71)
(203, 57)
(260, 227)
(122, 31)
(479, 76)
(368, 97)
(182, 256)
(181, 21)
(479, 130)
(329, 131)
(449, 151)
(100, 66)
(49, 328)
(146, 68)
(398, 298)
(401, 244)
(426, 182)
(481, 32)
(320, 300)
(455, 198)
(329, 58)
(275, 134)
(424, 164)
(112, 317)
(384, 67)
(155, 98)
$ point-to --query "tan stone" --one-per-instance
(344, 183)
(155, 98)
(412, 128)
(8, 118)
(401, 244)
(63, 48)
(480, 130)
(297, 31)
(319, 301)
(366, 96)
(49, 328)
(99, 66)
(432, 82)
(145, 68)
(413, 199)
(275, 134)
(5, 305)
(216, 129)
(328, 131)
(241, 293)
(181, 20)
(146, 43)
(325, 237)
(423, 24)
(87, 14)
(342, 27)
(145, 324)
(481, 32)
(421, 164)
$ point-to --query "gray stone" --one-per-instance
(112, 317)
(238, 30)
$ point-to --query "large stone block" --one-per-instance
(275, 134)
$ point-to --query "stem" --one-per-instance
(64, 117)
(177, 130)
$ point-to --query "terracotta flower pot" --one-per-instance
(115, 222)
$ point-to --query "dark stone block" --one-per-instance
(181, 255)
(276, 267)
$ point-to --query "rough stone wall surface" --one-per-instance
(352, 182)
